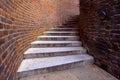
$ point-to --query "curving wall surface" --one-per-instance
(21, 21)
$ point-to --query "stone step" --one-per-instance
(70, 23)
(35, 66)
(56, 44)
(58, 38)
(61, 33)
(64, 29)
(53, 51)
(66, 26)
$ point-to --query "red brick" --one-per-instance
(23, 23)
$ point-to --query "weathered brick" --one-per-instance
(104, 42)
(1, 26)
(20, 24)
(1, 68)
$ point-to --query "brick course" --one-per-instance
(100, 35)
(21, 21)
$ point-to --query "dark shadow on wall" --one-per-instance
(100, 32)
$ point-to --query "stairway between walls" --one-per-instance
(57, 49)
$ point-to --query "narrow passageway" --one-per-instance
(63, 50)
(59, 40)
(58, 55)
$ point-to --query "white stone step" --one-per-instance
(56, 44)
(53, 51)
(61, 33)
(64, 29)
(56, 28)
(58, 38)
(35, 66)
(66, 26)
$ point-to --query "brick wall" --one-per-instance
(21, 21)
(70, 8)
(101, 34)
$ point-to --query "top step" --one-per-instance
(64, 29)
(60, 32)
(66, 26)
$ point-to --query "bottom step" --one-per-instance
(88, 72)
(35, 66)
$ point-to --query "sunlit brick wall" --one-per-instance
(67, 8)
(21, 21)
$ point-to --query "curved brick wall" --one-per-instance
(101, 36)
(20, 22)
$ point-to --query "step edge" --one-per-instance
(55, 42)
(79, 49)
(85, 59)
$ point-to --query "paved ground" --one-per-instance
(90, 72)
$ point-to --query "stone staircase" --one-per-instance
(57, 49)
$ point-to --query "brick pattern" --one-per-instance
(21, 21)
(100, 34)
(71, 7)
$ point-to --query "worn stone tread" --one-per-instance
(61, 32)
(52, 49)
(45, 36)
(55, 42)
(39, 63)
(88, 72)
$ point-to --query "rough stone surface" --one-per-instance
(58, 38)
(56, 44)
(91, 72)
(39, 63)
(52, 49)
